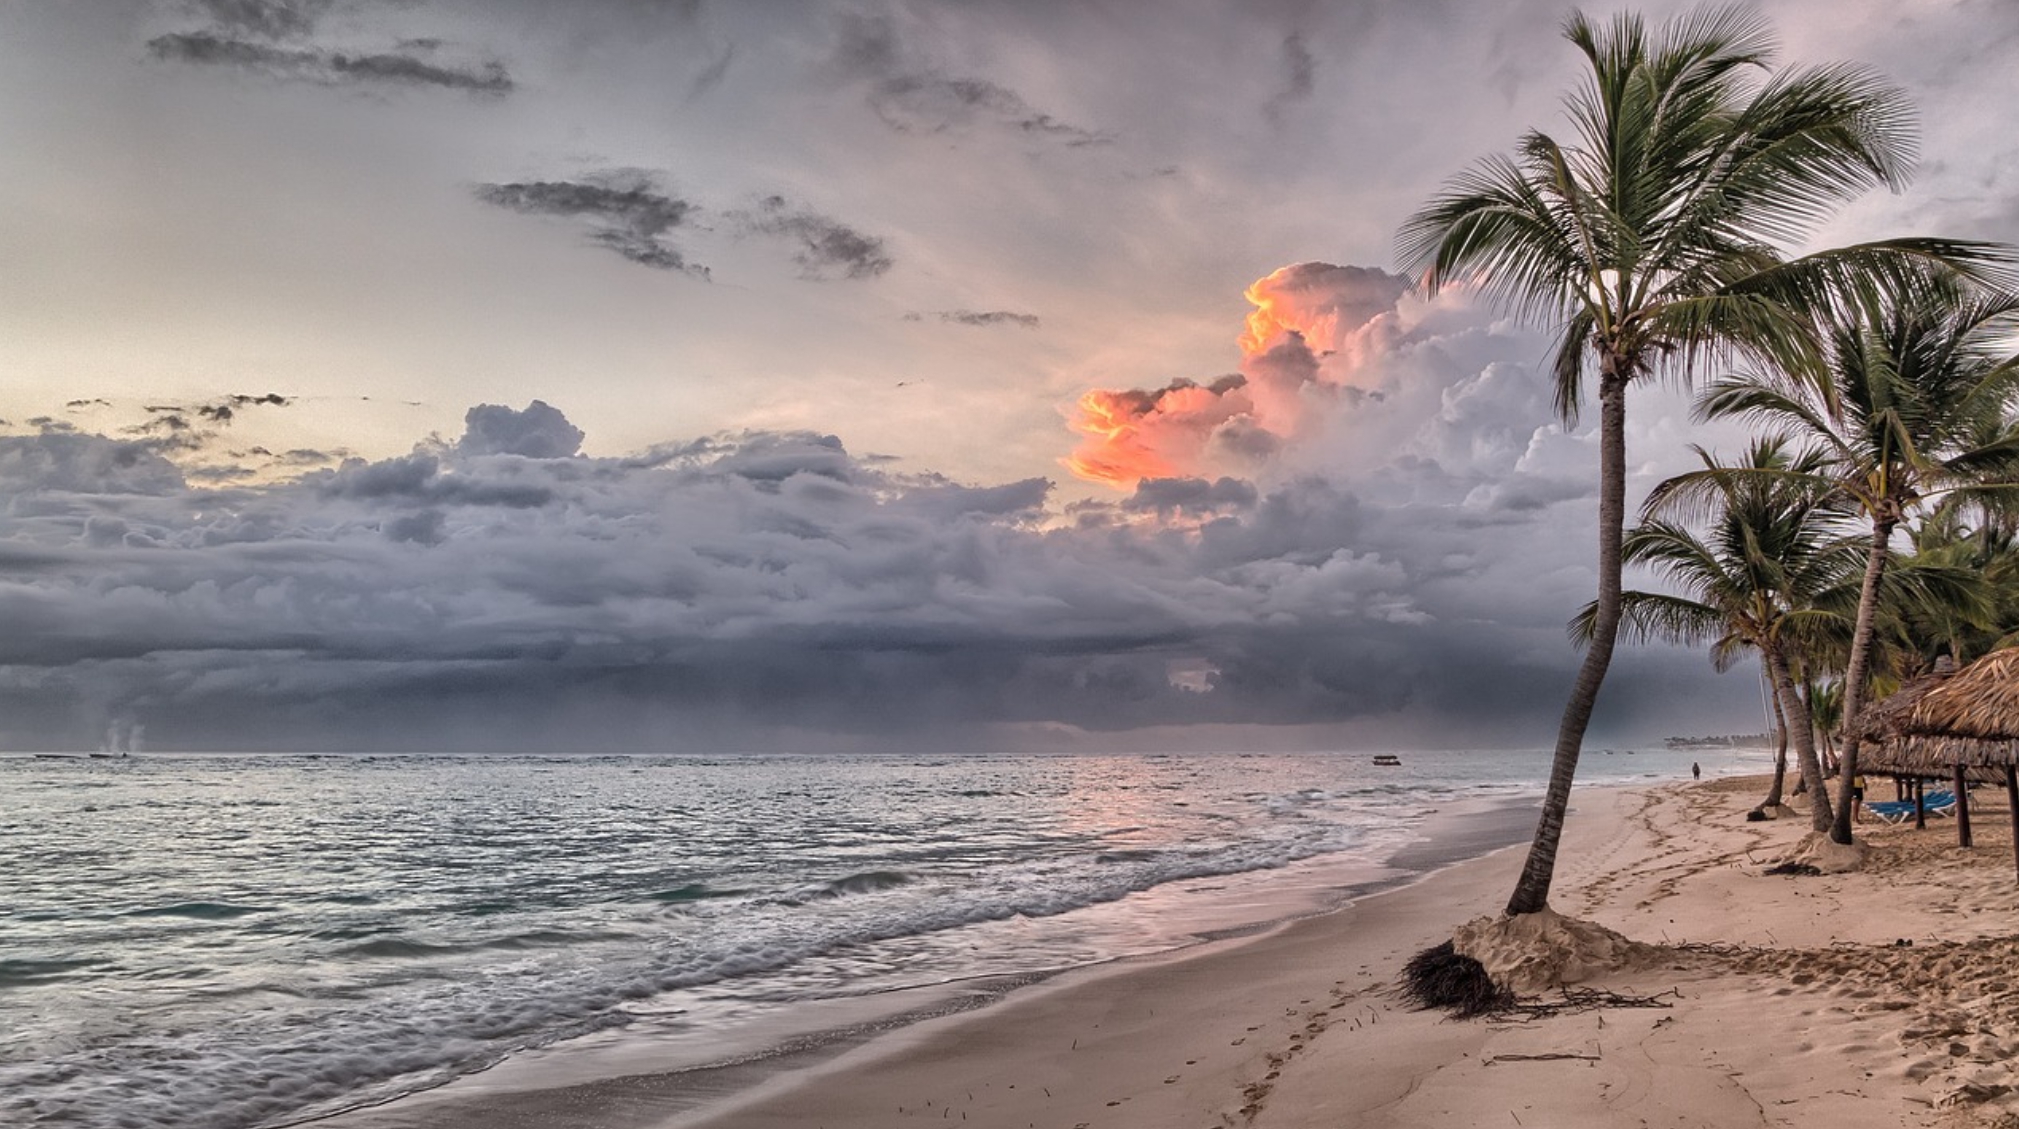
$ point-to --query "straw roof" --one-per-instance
(1884, 722)
(1896, 741)
(1940, 721)
(1980, 703)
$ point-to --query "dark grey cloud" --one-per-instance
(502, 591)
(984, 318)
(625, 212)
(711, 76)
(1300, 76)
(265, 19)
(189, 428)
(538, 432)
(329, 67)
(422, 479)
(912, 95)
(226, 409)
(1170, 496)
(825, 248)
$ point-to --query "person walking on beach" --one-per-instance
(1857, 797)
(1696, 771)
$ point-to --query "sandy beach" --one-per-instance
(1775, 1001)
(1876, 998)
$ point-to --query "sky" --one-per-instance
(920, 374)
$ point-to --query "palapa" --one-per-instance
(1972, 718)
(1970, 722)
(1881, 729)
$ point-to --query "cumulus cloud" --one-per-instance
(504, 590)
(912, 95)
(1315, 340)
(825, 247)
(1400, 554)
(1169, 497)
(625, 212)
(329, 67)
(538, 432)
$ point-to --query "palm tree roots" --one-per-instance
(1439, 978)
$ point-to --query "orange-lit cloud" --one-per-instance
(1133, 434)
(1304, 341)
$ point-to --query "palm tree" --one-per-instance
(1981, 544)
(1917, 406)
(1825, 699)
(1649, 239)
(1763, 578)
(1777, 784)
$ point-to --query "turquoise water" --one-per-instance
(250, 940)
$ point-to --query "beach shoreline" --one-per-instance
(1773, 1000)
(1873, 998)
(571, 1085)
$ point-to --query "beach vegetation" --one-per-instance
(1651, 237)
(1770, 575)
(1914, 408)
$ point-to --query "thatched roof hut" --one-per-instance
(1881, 730)
(1891, 745)
(1970, 719)
(1964, 725)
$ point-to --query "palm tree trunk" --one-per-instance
(1775, 789)
(1804, 736)
(1854, 676)
(1531, 892)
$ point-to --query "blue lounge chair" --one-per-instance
(1900, 811)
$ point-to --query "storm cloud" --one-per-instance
(912, 95)
(1300, 77)
(625, 213)
(500, 590)
(266, 19)
(987, 318)
(328, 67)
(824, 247)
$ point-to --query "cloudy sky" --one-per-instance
(893, 373)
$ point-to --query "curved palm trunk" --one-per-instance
(1775, 789)
(1854, 675)
(1804, 734)
(1531, 892)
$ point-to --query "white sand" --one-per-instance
(1820, 1020)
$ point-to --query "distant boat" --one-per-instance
(1386, 759)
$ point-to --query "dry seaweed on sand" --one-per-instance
(1801, 869)
(1575, 1000)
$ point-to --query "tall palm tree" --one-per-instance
(1917, 406)
(1649, 238)
(1764, 577)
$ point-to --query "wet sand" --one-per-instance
(1875, 998)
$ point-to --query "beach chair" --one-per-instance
(1937, 804)
(1890, 811)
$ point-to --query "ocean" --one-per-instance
(257, 941)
